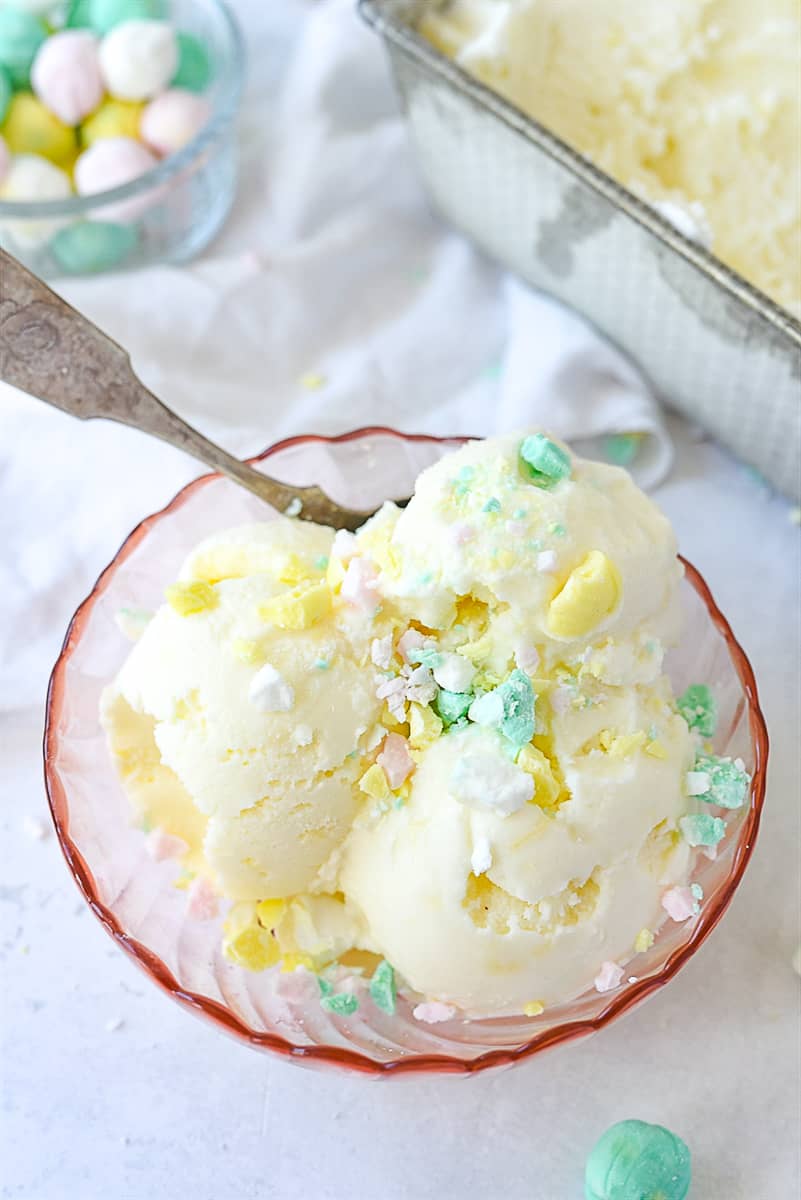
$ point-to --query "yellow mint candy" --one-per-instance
(114, 118)
(271, 912)
(534, 763)
(656, 749)
(246, 942)
(643, 941)
(590, 594)
(478, 650)
(626, 744)
(295, 570)
(374, 783)
(375, 541)
(298, 609)
(335, 573)
(190, 598)
(424, 726)
(30, 128)
(289, 962)
(249, 652)
(534, 1008)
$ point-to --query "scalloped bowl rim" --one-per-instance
(625, 1000)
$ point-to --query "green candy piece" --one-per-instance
(5, 94)
(518, 708)
(425, 657)
(699, 708)
(194, 64)
(21, 35)
(92, 246)
(78, 16)
(105, 14)
(492, 505)
(622, 448)
(728, 783)
(342, 1004)
(699, 829)
(637, 1161)
(382, 988)
(543, 461)
(326, 988)
(452, 706)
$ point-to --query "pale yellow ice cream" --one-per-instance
(447, 742)
(695, 104)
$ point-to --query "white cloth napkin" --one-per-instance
(334, 299)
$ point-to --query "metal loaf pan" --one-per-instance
(712, 345)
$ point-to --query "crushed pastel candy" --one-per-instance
(696, 783)
(546, 562)
(493, 505)
(360, 586)
(341, 1004)
(432, 1012)
(609, 977)
(453, 672)
(680, 903)
(589, 595)
(383, 991)
(424, 726)
(543, 461)
(534, 763)
(202, 901)
(699, 708)
(161, 845)
(517, 695)
(728, 781)
(187, 599)
(381, 651)
(643, 941)
(534, 1008)
(481, 857)
(699, 829)
(527, 658)
(412, 639)
(637, 1161)
(375, 784)
(299, 608)
(395, 759)
(452, 706)
(270, 692)
(622, 448)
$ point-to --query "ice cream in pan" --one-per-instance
(443, 749)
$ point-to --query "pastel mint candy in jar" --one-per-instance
(21, 35)
(5, 93)
(92, 246)
(138, 59)
(194, 64)
(637, 1161)
(105, 15)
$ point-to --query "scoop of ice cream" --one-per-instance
(256, 700)
(693, 104)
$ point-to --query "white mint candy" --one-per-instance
(171, 120)
(270, 692)
(138, 59)
(454, 673)
(482, 780)
(31, 177)
(66, 75)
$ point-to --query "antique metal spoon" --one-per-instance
(50, 351)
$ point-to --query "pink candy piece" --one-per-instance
(432, 1012)
(609, 977)
(381, 651)
(202, 902)
(66, 75)
(462, 533)
(359, 586)
(160, 845)
(679, 903)
(171, 120)
(5, 158)
(412, 639)
(710, 852)
(395, 759)
(527, 658)
(110, 163)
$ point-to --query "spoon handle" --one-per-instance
(50, 351)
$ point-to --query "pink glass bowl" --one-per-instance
(135, 897)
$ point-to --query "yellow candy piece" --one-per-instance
(590, 594)
(246, 942)
(289, 962)
(375, 541)
(271, 912)
(534, 1008)
(477, 651)
(424, 726)
(644, 941)
(335, 573)
(374, 783)
(295, 570)
(189, 598)
(626, 744)
(30, 128)
(298, 609)
(534, 763)
(114, 118)
(247, 651)
(656, 749)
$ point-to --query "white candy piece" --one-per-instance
(270, 692)
(454, 673)
(31, 177)
(171, 121)
(488, 781)
(481, 858)
(110, 163)
(66, 75)
(546, 562)
(138, 59)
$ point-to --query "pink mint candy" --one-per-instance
(412, 639)
(171, 120)
(609, 977)
(680, 903)
(110, 163)
(432, 1012)
(359, 586)
(395, 759)
(5, 159)
(202, 902)
(66, 75)
(160, 845)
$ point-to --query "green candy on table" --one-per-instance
(5, 93)
(21, 35)
(93, 246)
(194, 64)
(105, 14)
(637, 1161)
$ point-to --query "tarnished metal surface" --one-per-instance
(712, 345)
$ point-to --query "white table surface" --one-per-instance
(111, 1092)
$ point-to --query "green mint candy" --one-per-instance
(621, 448)
(518, 708)
(699, 829)
(78, 15)
(5, 93)
(543, 462)
(382, 988)
(21, 35)
(425, 657)
(90, 247)
(728, 781)
(104, 15)
(194, 64)
(342, 1004)
(699, 708)
(452, 706)
(637, 1161)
